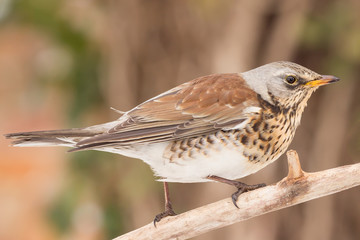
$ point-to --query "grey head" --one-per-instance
(285, 83)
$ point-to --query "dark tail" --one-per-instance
(66, 137)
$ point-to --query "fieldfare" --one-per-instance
(219, 127)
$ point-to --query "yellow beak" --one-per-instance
(325, 79)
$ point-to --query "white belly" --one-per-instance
(227, 162)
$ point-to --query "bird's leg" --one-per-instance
(168, 207)
(241, 187)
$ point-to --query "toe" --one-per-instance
(168, 212)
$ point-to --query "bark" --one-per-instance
(297, 187)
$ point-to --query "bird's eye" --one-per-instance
(291, 79)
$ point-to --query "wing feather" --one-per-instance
(201, 106)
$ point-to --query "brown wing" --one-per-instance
(201, 106)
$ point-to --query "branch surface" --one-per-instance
(297, 187)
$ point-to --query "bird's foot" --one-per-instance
(168, 212)
(242, 187)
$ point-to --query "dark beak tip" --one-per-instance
(336, 79)
(330, 78)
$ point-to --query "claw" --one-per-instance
(235, 196)
(168, 212)
(242, 187)
(168, 207)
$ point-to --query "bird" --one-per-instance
(218, 128)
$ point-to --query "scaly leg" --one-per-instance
(241, 187)
(168, 207)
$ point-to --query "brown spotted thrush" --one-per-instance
(219, 127)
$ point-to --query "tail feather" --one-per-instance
(66, 137)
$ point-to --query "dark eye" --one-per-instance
(291, 79)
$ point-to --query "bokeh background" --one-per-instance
(64, 63)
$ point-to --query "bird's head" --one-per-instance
(285, 84)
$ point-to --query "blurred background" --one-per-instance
(65, 63)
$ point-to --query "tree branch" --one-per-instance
(297, 187)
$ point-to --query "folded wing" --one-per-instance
(199, 107)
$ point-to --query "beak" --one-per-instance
(325, 79)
